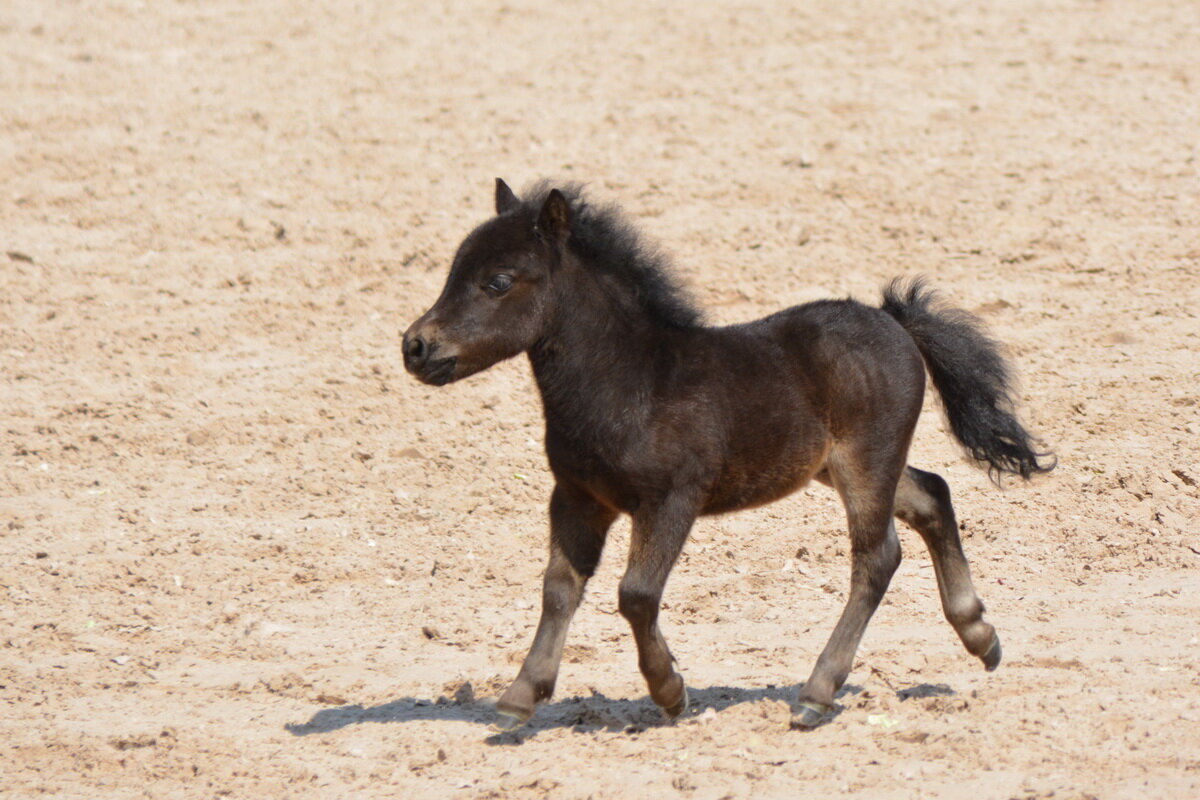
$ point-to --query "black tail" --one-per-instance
(972, 378)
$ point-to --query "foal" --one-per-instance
(653, 414)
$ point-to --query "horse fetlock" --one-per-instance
(671, 696)
(965, 613)
(636, 605)
(977, 636)
(822, 685)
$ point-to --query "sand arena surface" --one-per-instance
(243, 554)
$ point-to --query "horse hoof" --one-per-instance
(674, 710)
(991, 659)
(811, 715)
(509, 720)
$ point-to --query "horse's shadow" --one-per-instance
(583, 714)
(592, 713)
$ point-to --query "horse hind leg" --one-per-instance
(875, 554)
(923, 503)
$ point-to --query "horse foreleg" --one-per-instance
(578, 527)
(658, 537)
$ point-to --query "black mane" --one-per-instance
(605, 239)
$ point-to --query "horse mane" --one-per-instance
(602, 236)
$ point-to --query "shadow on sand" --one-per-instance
(583, 714)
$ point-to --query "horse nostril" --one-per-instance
(416, 350)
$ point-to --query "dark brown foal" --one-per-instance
(653, 414)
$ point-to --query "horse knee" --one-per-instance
(636, 603)
(559, 597)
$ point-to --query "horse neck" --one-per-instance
(596, 366)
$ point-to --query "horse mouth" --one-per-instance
(440, 372)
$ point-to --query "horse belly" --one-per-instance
(766, 471)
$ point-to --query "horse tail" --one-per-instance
(972, 377)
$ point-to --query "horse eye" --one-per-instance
(499, 284)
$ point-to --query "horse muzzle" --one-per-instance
(421, 359)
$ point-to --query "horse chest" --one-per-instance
(593, 466)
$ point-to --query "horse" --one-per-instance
(652, 413)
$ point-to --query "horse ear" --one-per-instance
(505, 199)
(555, 220)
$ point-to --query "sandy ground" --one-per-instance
(243, 554)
